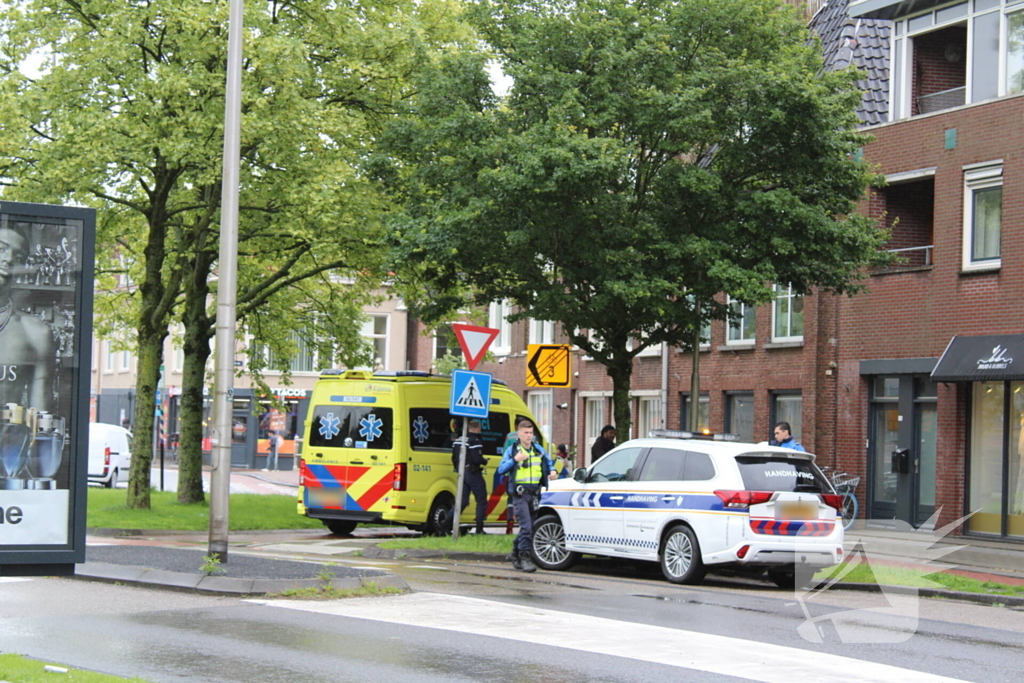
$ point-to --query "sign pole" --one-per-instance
(457, 512)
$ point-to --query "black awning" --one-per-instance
(984, 358)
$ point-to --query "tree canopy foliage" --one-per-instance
(648, 157)
(126, 115)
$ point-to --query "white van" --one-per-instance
(110, 454)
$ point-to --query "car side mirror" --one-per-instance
(580, 474)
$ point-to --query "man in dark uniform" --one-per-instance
(474, 478)
(529, 468)
(603, 443)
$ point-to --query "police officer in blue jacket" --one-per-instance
(529, 468)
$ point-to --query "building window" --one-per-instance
(741, 325)
(787, 315)
(703, 412)
(740, 417)
(542, 332)
(303, 360)
(375, 331)
(594, 420)
(445, 342)
(108, 363)
(1014, 52)
(126, 361)
(649, 416)
(983, 216)
(788, 408)
(498, 319)
(539, 403)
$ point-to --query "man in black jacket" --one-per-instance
(474, 478)
(603, 443)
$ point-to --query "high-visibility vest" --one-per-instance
(530, 470)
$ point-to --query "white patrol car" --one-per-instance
(688, 503)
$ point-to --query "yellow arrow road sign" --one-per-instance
(548, 365)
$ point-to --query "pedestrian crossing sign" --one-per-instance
(471, 393)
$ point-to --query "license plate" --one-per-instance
(325, 498)
(796, 509)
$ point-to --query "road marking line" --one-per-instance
(723, 655)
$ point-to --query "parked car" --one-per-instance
(691, 503)
(110, 454)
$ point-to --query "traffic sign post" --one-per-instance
(549, 365)
(474, 341)
(471, 397)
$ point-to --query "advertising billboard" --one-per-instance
(46, 288)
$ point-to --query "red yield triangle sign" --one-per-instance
(474, 341)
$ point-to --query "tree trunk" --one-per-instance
(199, 330)
(621, 374)
(190, 453)
(150, 355)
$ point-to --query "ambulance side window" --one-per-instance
(435, 429)
(432, 429)
(336, 426)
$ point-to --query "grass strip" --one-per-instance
(904, 576)
(108, 509)
(470, 543)
(18, 669)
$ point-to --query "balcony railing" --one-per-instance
(912, 258)
(944, 99)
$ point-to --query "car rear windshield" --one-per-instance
(771, 472)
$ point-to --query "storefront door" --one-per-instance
(243, 437)
(902, 449)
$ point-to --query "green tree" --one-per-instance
(126, 115)
(649, 156)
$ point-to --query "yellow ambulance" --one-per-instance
(378, 448)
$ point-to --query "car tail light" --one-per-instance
(742, 552)
(398, 477)
(744, 499)
(839, 554)
(833, 500)
(302, 472)
(106, 456)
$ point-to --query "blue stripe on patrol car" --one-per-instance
(633, 501)
(353, 399)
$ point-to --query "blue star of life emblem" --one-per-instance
(369, 427)
(420, 430)
(329, 426)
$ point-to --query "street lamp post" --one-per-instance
(227, 276)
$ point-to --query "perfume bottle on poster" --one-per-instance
(15, 437)
(45, 449)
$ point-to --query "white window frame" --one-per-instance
(901, 49)
(108, 362)
(541, 404)
(126, 361)
(979, 177)
(652, 350)
(779, 295)
(542, 332)
(741, 340)
(594, 417)
(497, 317)
(648, 415)
(368, 332)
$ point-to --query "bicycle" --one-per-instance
(846, 486)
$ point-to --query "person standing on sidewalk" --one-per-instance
(529, 468)
(473, 479)
(274, 442)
